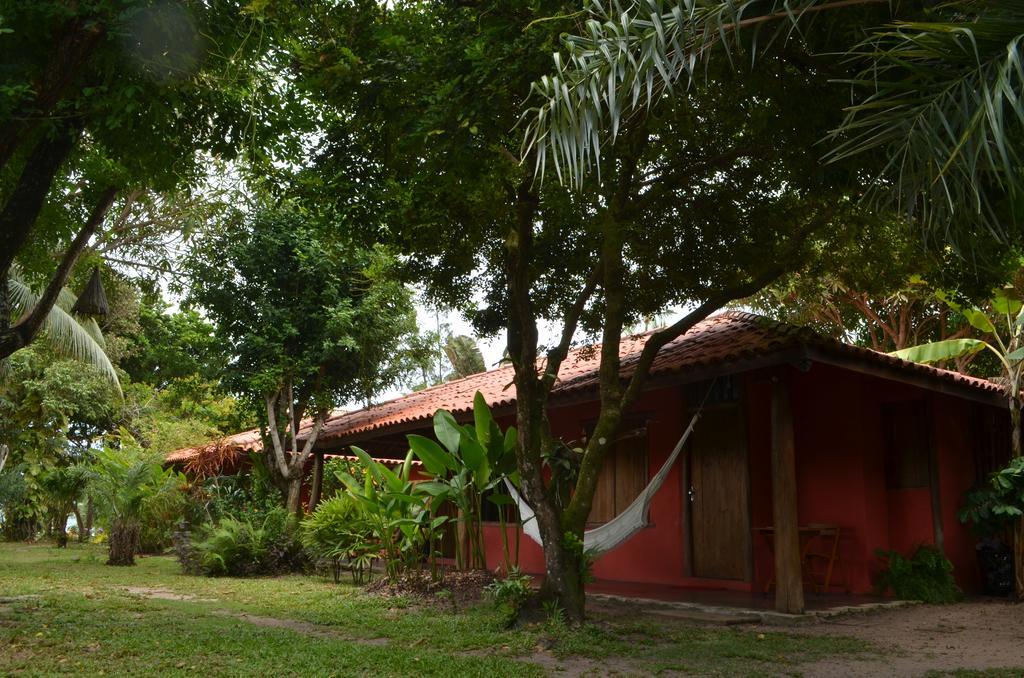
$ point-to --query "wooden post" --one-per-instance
(318, 481)
(789, 590)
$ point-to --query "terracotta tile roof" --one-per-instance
(734, 339)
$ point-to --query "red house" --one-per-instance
(839, 449)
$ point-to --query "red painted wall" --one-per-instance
(840, 475)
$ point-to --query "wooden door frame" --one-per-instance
(742, 406)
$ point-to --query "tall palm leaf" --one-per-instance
(941, 98)
(942, 102)
(68, 335)
(630, 56)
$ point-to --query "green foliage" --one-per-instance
(926, 576)
(253, 546)
(51, 412)
(511, 593)
(941, 351)
(338, 532)
(936, 115)
(585, 558)
(13, 504)
(62, 488)
(65, 334)
(125, 481)
(992, 509)
(136, 499)
(172, 346)
(465, 356)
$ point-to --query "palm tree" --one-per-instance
(937, 89)
(63, 487)
(67, 334)
(465, 356)
(124, 484)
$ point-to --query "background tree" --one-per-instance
(62, 488)
(311, 321)
(879, 292)
(51, 412)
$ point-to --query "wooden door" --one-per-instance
(719, 496)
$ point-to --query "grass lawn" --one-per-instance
(64, 611)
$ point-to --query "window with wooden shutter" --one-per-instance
(907, 440)
(623, 475)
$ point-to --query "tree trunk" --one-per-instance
(78, 522)
(26, 198)
(318, 482)
(90, 516)
(562, 569)
(294, 502)
(61, 529)
(123, 542)
(21, 334)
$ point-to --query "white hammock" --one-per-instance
(621, 527)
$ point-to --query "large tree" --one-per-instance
(701, 205)
(310, 321)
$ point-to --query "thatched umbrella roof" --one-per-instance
(93, 300)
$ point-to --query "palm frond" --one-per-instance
(631, 56)
(944, 105)
(64, 332)
(940, 100)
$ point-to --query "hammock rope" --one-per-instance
(623, 526)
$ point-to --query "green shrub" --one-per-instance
(249, 547)
(338, 533)
(511, 593)
(926, 576)
(992, 509)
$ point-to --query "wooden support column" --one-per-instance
(318, 481)
(789, 590)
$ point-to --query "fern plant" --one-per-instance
(338, 533)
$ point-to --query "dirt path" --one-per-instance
(973, 635)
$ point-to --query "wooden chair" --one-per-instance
(820, 555)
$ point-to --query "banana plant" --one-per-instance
(468, 466)
(1004, 324)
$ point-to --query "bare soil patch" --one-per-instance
(978, 635)
(457, 588)
(162, 594)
